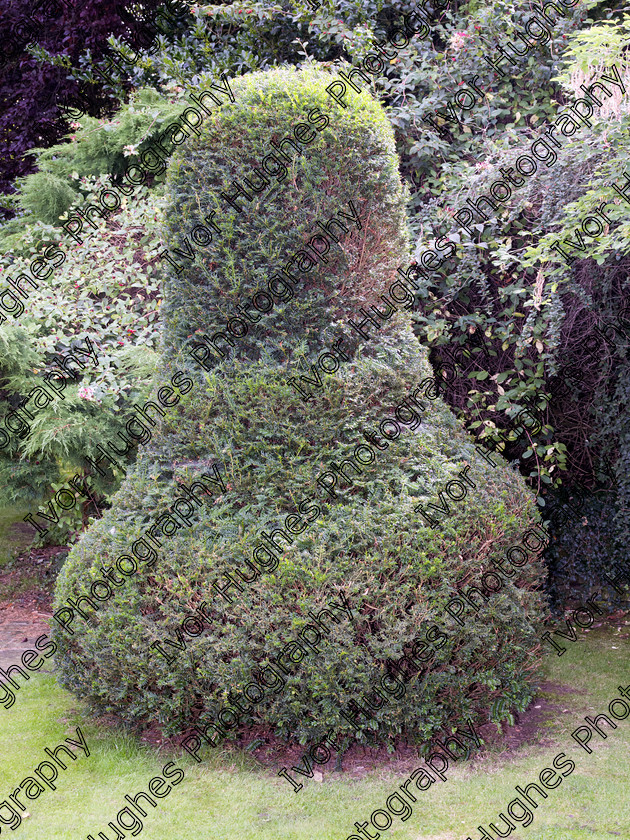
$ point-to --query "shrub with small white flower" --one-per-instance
(87, 393)
(458, 40)
(108, 289)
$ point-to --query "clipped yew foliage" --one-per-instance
(351, 159)
(243, 414)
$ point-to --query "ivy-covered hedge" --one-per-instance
(271, 447)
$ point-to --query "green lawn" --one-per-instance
(15, 535)
(231, 798)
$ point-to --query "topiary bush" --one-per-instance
(271, 445)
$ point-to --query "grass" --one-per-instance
(14, 534)
(229, 797)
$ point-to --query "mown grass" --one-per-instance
(230, 797)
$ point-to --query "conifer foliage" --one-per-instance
(243, 418)
(33, 91)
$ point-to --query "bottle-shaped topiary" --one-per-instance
(314, 492)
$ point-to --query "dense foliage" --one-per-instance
(530, 337)
(529, 323)
(505, 290)
(107, 291)
(270, 445)
(41, 41)
(66, 171)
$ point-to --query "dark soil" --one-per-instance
(26, 592)
(273, 754)
(27, 582)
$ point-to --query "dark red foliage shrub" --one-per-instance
(31, 92)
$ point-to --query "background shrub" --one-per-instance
(42, 42)
(66, 170)
(524, 324)
(107, 290)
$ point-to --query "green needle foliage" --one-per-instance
(271, 446)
